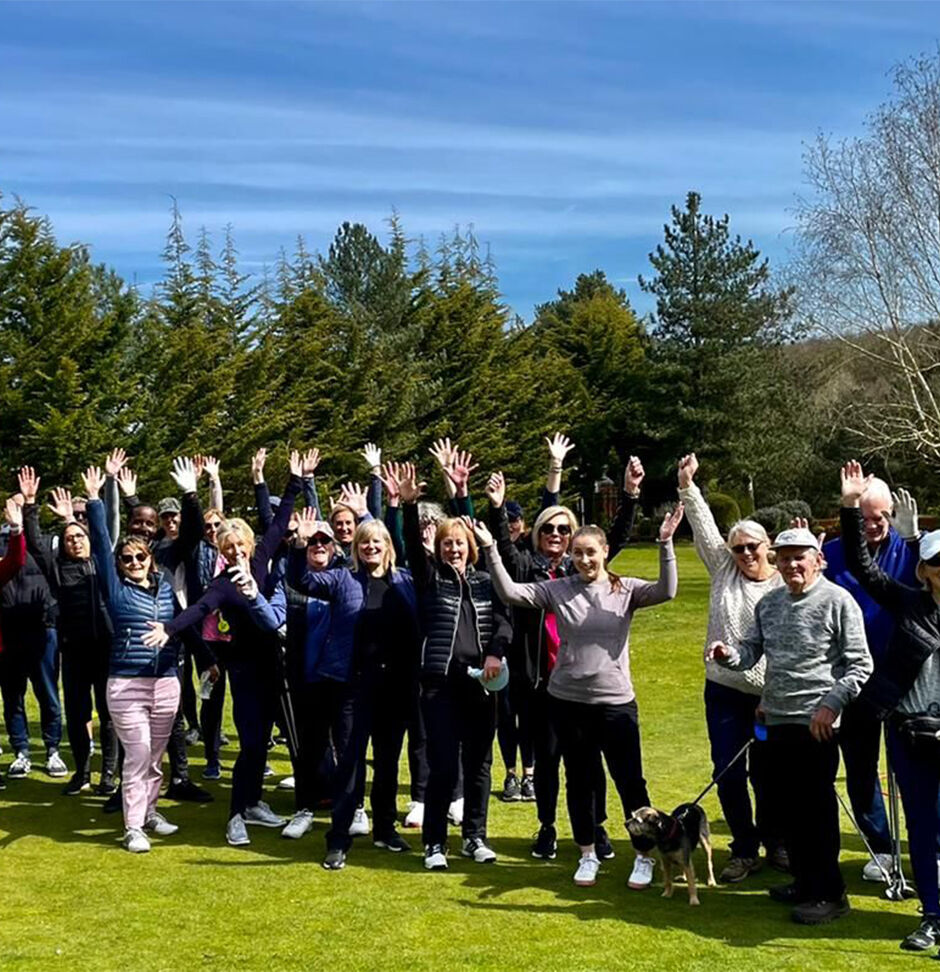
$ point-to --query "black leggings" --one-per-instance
(84, 672)
(584, 731)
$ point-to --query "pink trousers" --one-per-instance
(143, 711)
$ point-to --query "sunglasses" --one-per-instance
(319, 540)
(740, 548)
(213, 524)
(140, 558)
(80, 515)
(562, 529)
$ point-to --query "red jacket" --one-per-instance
(12, 562)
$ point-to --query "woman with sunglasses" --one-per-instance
(84, 629)
(143, 689)
(741, 574)
(591, 698)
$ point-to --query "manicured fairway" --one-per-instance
(74, 900)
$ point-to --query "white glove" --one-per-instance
(904, 517)
(184, 474)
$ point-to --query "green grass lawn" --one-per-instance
(73, 899)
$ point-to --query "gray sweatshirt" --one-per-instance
(593, 663)
(815, 648)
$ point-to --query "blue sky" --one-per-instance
(562, 131)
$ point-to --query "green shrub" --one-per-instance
(725, 510)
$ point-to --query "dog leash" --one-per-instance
(760, 732)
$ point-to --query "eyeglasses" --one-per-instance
(740, 548)
(80, 515)
(562, 529)
(319, 540)
(139, 557)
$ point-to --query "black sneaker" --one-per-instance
(335, 860)
(926, 935)
(106, 786)
(528, 788)
(602, 845)
(186, 790)
(393, 842)
(512, 791)
(77, 784)
(114, 803)
(787, 894)
(820, 912)
(546, 843)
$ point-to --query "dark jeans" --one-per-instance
(85, 673)
(860, 742)
(35, 661)
(324, 724)
(547, 750)
(460, 720)
(379, 710)
(584, 731)
(253, 681)
(729, 714)
(210, 717)
(918, 779)
(417, 749)
(514, 722)
(176, 744)
(802, 786)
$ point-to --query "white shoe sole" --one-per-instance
(585, 884)
(237, 843)
(434, 867)
(274, 824)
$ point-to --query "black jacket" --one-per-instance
(440, 592)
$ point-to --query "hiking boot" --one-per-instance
(527, 788)
(738, 868)
(512, 791)
(820, 912)
(779, 859)
(924, 936)
(546, 843)
(787, 894)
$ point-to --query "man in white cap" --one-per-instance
(812, 634)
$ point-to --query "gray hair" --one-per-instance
(750, 528)
(878, 489)
(431, 511)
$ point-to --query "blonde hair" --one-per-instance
(447, 528)
(549, 513)
(213, 511)
(341, 508)
(370, 530)
(593, 530)
(237, 528)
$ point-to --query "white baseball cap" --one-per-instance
(800, 537)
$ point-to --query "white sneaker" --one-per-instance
(262, 815)
(586, 874)
(55, 765)
(157, 824)
(136, 841)
(872, 872)
(299, 824)
(360, 823)
(20, 766)
(642, 876)
(435, 858)
(287, 783)
(455, 812)
(414, 818)
(477, 848)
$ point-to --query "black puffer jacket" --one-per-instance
(440, 593)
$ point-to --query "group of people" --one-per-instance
(381, 621)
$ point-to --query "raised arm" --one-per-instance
(39, 546)
(101, 551)
(391, 474)
(521, 595)
(372, 455)
(191, 518)
(709, 544)
(262, 494)
(418, 558)
(558, 448)
(513, 559)
(309, 462)
(16, 550)
(113, 464)
(212, 470)
(622, 527)
(278, 528)
(647, 593)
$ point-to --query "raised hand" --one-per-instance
(495, 490)
(478, 528)
(459, 471)
(93, 481)
(633, 476)
(61, 504)
(904, 516)
(29, 484)
(854, 482)
(391, 476)
(373, 457)
(114, 462)
(354, 496)
(296, 463)
(199, 464)
(409, 486)
(309, 462)
(127, 481)
(443, 452)
(14, 515)
(257, 466)
(670, 522)
(558, 447)
(306, 524)
(183, 474)
(688, 467)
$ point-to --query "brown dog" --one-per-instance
(675, 835)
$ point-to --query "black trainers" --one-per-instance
(114, 803)
(512, 791)
(335, 859)
(393, 842)
(820, 912)
(924, 936)
(106, 786)
(602, 845)
(187, 791)
(787, 894)
(527, 788)
(546, 843)
(77, 784)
